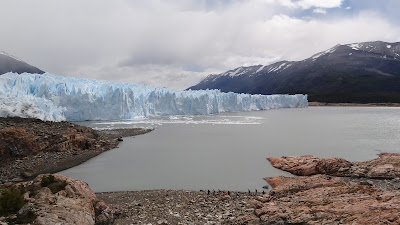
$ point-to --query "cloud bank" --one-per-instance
(177, 43)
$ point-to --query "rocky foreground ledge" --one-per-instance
(52, 199)
(331, 191)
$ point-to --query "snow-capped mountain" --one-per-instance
(359, 72)
(9, 63)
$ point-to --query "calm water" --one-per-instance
(228, 151)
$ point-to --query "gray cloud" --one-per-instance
(177, 43)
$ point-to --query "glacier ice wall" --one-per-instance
(77, 99)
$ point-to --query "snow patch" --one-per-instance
(329, 51)
(388, 46)
(261, 68)
(287, 66)
(356, 46)
(279, 67)
(233, 74)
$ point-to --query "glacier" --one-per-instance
(57, 98)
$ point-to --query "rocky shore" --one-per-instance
(29, 147)
(331, 191)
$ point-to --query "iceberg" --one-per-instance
(57, 98)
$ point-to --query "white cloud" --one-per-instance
(307, 4)
(319, 10)
(174, 43)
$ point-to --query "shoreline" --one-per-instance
(51, 147)
(312, 104)
(347, 188)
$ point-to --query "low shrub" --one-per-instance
(53, 184)
(11, 200)
(47, 180)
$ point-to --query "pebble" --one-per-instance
(177, 207)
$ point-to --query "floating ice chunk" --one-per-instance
(77, 99)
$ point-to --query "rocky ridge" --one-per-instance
(331, 191)
(359, 73)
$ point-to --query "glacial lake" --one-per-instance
(228, 151)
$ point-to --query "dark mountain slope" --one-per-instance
(361, 72)
(9, 63)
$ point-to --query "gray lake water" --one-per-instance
(228, 151)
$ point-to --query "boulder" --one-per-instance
(63, 200)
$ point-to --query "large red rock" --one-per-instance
(387, 166)
(332, 191)
(321, 199)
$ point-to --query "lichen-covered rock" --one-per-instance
(71, 203)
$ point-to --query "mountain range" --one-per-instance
(9, 63)
(359, 72)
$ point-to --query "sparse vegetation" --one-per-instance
(11, 200)
(29, 217)
(53, 184)
(47, 180)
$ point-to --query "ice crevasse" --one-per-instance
(57, 98)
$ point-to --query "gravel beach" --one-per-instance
(178, 206)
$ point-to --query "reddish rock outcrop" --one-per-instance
(321, 199)
(332, 191)
(387, 166)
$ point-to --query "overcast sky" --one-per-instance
(176, 43)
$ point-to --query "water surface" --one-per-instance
(228, 151)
